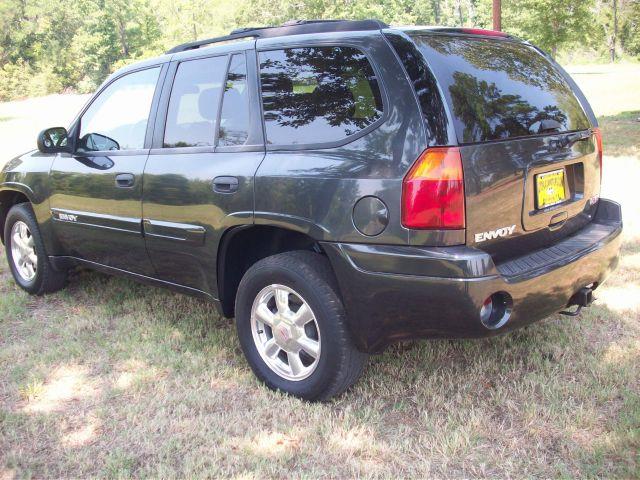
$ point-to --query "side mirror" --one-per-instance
(53, 140)
(96, 142)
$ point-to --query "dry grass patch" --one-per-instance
(116, 379)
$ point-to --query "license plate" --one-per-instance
(550, 188)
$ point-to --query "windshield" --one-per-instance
(499, 89)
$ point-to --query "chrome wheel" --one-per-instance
(285, 332)
(23, 251)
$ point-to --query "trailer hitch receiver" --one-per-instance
(582, 298)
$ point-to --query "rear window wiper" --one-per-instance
(572, 138)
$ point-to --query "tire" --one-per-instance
(44, 278)
(306, 278)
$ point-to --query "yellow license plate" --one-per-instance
(550, 188)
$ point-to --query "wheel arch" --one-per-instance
(240, 247)
(8, 198)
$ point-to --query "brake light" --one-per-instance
(433, 191)
(482, 31)
(598, 135)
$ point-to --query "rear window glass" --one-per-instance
(317, 94)
(500, 89)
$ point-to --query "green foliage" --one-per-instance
(630, 34)
(21, 80)
(398, 12)
(551, 24)
(114, 32)
(54, 45)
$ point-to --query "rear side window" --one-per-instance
(500, 89)
(234, 118)
(193, 107)
(317, 94)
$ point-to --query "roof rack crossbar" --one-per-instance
(292, 27)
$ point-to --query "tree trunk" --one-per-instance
(614, 32)
(436, 10)
(122, 31)
(460, 16)
(497, 15)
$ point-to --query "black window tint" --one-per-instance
(193, 107)
(319, 94)
(500, 89)
(117, 119)
(234, 119)
(426, 88)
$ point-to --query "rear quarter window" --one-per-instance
(317, 94)
(500, 89)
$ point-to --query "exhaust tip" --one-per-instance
(496, 310)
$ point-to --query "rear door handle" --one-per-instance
(225, 184)
(125, 180)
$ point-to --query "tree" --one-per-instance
(630, 31)
(550, 24)
(116, 31)
(619, 23)
(75, 44)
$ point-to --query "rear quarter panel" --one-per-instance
(314, 191)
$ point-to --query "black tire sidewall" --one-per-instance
(22, 213)
(327, 311)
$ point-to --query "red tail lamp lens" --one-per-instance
(433, 191)
(482, 31)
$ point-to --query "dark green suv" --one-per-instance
(335, 186)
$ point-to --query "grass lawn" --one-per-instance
(113, 379)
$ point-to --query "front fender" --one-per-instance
(27, 177)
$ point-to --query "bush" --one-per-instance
(20, 80)
(15, 80)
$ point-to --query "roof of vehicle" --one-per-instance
(300, 27)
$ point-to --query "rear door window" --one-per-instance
(195, 98)
(317, 94)
(234, 118)
(500, 89)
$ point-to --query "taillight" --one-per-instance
(482, 31)
(598, 135)
(433, 191)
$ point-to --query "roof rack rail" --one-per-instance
(292, 27)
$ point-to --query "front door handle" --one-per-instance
(125, 180)
(225, 184)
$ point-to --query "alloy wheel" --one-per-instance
(285, 332)
(23, 251)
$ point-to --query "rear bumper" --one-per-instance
(394, 293)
